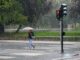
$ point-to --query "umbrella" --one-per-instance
(27, 28)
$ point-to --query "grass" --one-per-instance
(23, 35)
(77, 33)
(43, 33)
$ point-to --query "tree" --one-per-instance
(75, 9)
(35, 8)
(11, 12)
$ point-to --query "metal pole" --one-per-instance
(61, 34)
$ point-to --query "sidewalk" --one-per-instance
(24, 41)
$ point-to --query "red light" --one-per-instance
(57, 12)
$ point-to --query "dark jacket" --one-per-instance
(30, 35)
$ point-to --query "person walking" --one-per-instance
(31, 38)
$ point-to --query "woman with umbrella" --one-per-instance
(30, 36)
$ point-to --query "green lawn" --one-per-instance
(56, 33)
(43, 33)
(23, 35)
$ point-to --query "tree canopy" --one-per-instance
(75, 9)
(11, 11)
(35, 8)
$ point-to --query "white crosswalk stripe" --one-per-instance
(27, 54)
(7, 54)
(6, 57)
(22, 52)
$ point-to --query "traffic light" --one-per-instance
(63, 10)
(58, 14)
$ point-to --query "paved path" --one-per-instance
(44, 50)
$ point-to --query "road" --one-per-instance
(44, 50)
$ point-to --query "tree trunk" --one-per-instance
(18, 28)
(1, 28)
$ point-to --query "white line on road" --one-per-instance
(6, 57)
(28, 54)
(23, 41)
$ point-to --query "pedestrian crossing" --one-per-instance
(12, 50)
(6, 57)
(27, 54)
(9, 54)
(68, 57)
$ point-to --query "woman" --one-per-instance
(30, 38)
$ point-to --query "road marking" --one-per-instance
(21, 41)
(64, 56)
(40, 48)
(6, 57)
(66, 59)
(28, 54)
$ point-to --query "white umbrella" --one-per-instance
(27, 28)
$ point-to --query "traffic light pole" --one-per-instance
(61, 34)
(60, 13)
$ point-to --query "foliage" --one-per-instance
(11, 12)
(75, 9)
(35, 8)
